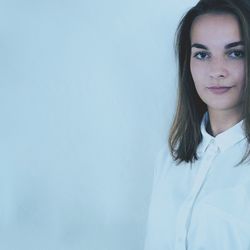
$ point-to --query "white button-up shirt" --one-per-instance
(204, 205)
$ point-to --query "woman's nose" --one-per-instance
(218, 69)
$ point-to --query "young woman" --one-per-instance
(201, 191)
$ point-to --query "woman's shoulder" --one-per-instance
(163, 160)
(163, 153)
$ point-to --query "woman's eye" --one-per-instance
(202, 55)
(236, 54)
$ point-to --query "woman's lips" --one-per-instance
(219, 90)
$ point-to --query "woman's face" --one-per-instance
(217, 61)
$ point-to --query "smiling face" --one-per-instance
(217, 61)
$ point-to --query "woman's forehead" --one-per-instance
(212, 28)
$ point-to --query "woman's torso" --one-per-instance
(204, 205)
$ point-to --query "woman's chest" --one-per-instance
(195, 207)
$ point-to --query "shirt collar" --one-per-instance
(223, 140)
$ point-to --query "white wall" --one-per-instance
(87, 92)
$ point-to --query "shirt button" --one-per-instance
(212, 142)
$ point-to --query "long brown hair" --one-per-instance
(185, 134)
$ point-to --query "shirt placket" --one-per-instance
(186, 208)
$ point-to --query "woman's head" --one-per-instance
(206, 32)
(217, 62)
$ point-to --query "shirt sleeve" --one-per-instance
(159, 165)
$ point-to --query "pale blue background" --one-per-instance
(87, 91)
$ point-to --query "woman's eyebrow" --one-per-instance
(199, 46)
(228, 46)
(234, 44)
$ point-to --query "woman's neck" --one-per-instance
(221, 120)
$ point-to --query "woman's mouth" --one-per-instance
(218, 90)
